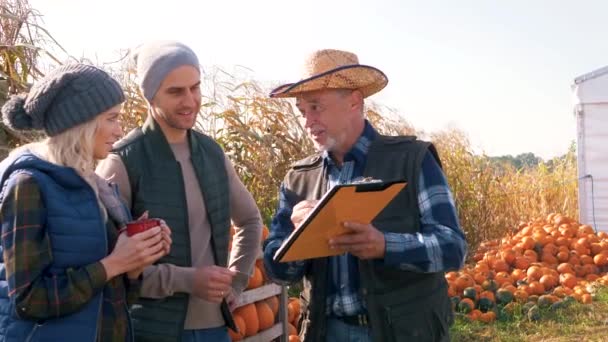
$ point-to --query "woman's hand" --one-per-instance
(166, 241)
(135, 252)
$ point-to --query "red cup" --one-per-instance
(136, 227)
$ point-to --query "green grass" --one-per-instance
(576, 322)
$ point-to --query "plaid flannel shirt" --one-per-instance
(439, 246)
(27, 254)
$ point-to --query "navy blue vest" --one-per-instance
(78, 237)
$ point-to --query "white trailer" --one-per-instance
(591, 110)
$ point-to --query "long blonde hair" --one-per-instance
(72, 148)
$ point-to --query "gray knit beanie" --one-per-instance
(154, 60)
(66, 97)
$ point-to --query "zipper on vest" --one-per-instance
(31, 334)
(185, 205)
(99, 313)
(99, 310)
(104, 233)
(129, 323)
(182, 319)
(388, 316)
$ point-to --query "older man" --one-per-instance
(389, 283)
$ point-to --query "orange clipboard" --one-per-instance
(357, 202)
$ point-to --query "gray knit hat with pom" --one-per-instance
(66, 97)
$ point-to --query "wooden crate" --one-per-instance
(277, 332)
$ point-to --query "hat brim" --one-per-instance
(365, 78)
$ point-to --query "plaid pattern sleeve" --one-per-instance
(441, 244)
(280, 228)
(27, 254)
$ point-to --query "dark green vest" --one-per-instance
(402, 305)
(157, 186)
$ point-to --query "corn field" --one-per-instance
(263, 137)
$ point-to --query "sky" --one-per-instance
(501, 71)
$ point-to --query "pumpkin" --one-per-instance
(485, 304)
(488, 294)
(291, 329)
(586, 298)
(526, 307)
(295, 302)
(563, 256)
(474, 315)
(273, 303)
(521, 296)
(522, 262)
(548, 281)
(518, 274)
(464, 281)
(592, 277)
(504, 296)
(545, 301)
(500, 265)
(256, 280)
(265, 315)
(565, 268)
(451, 276)
(488, 317)
(567, 280)
(534, 313)
(509, 309)
(260, 265)
(470, 292)
(560, 304)
(265, 233)
(537, 288)
(293, 310)
(466, 305)
(490, 285)
(250, 316)
(508, 255)
(240, 325)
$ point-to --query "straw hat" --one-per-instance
(335, 69)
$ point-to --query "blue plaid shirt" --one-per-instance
(439, 246)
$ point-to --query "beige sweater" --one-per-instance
(164, 280)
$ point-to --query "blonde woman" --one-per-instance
(67, 272)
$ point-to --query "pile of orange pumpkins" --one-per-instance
(545, 263)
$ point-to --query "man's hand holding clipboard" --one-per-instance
(302, 210)
(340, 222)
(361, 240)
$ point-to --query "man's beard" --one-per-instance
(328, 146)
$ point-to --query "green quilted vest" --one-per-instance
(157, 186)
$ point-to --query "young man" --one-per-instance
(389, 283)
(183, 177)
